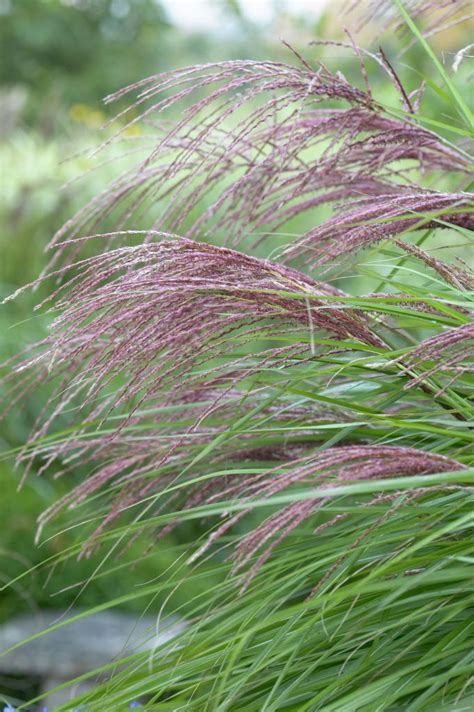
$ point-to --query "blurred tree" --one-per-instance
(79, 49)
(233, 7)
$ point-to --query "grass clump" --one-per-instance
(308, 397)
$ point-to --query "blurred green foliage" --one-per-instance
(79, 50)
(63, 53)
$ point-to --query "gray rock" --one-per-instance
(77, 647)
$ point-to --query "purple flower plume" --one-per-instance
(379, 217)
(138, 326)
(309, 138)
(455, 275)
(324, 469)
(451, 352)
(150, 319)
(434, 15)
(150, 444)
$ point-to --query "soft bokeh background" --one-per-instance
(58, 59)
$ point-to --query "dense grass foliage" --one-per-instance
(307, 398)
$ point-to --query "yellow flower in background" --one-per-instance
(83, 114)
(94, 118)
(133, 130)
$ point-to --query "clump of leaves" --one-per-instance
(323, 434)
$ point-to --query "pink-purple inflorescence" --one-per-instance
(166, 325)
(242, 179)
(326, 469)
(434, 16)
